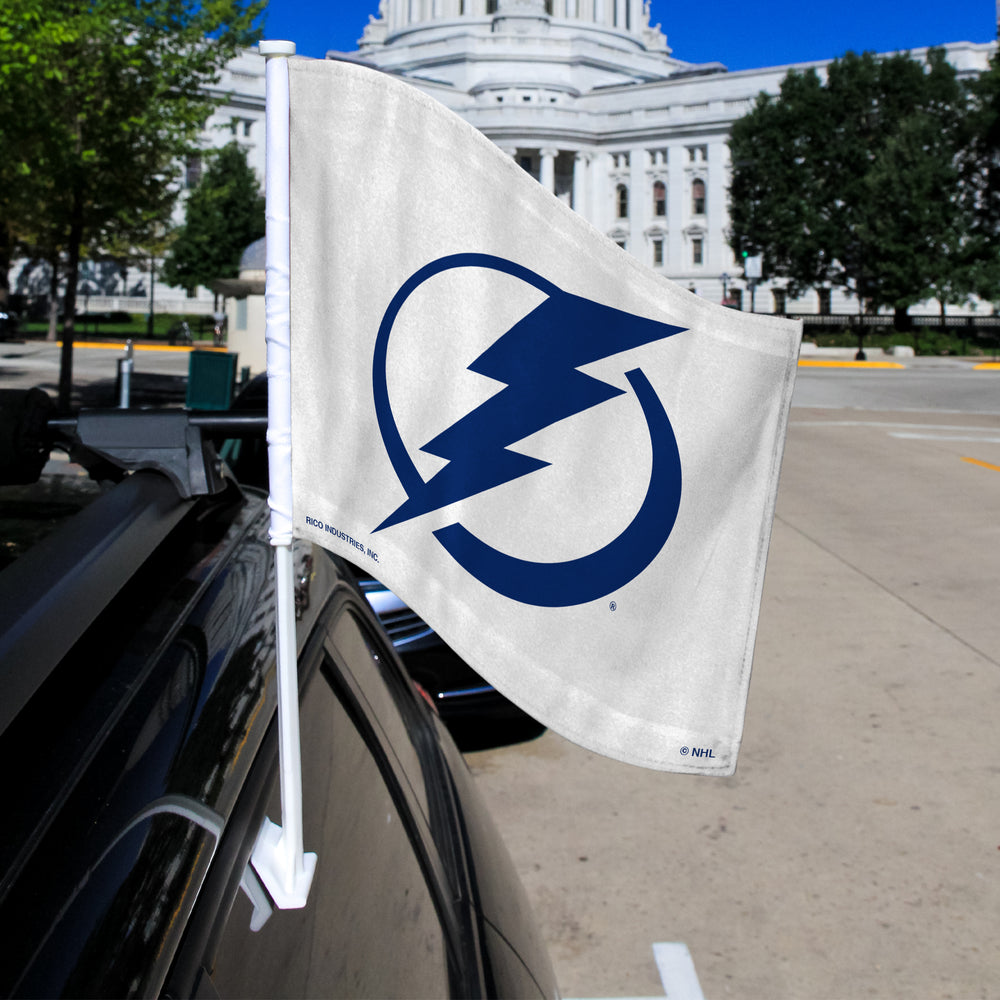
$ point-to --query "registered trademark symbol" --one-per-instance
(613, 605)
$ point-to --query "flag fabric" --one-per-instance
(563, 462)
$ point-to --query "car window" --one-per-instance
(371, 927)
(375, 679)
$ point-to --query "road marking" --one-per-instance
(680, 981)
(944, 437)
(985, 465)
(888, 423)
(676, 968)
(811, 363)
(987, 366)
(914, 432)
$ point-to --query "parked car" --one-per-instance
(138, 734)
(9, 323)
(475, 712)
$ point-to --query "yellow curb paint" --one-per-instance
(985, 465)
(102, 346)
(987, 366)
(810, 363)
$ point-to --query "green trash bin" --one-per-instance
(211, 379)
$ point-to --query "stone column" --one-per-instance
(620, 15)
(637, 16)
(547, 173)
(580, 163)
(638, 202)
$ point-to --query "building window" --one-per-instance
(241, 314)
(698, 197)
(780, 300)
(491, 6)
(621, 243)
(525, 162)
(824, 301)
(697, 250)
(657, 252)
(621, 201)
(659, 198)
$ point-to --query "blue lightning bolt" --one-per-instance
(538, 360)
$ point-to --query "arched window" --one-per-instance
(659, 198)
(621, 201)
(698, 197)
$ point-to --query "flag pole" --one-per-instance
(278, 856)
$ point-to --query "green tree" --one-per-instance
(981, 174)
(223, 215)
(854, 181)
(102, 102)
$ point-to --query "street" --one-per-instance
(855, 851)
(159, 375)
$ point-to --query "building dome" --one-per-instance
(254, 256)
(618, 17)
(482, 46)
(587, 97)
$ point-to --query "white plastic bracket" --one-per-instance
(278, 857)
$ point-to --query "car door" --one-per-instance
(386, 915)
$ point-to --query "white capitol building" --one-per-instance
(588, 97)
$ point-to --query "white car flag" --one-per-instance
(563, 462)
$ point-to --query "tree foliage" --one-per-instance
(223, 215)
(981, 177)
(101, 102)
(855, 181)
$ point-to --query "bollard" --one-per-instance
(125, 377)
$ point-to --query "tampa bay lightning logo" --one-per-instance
(538, 360)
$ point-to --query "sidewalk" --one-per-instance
(855, 851)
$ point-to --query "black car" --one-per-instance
(9, 323)
(138, 736)
(476, 713)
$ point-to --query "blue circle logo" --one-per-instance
(538, 360)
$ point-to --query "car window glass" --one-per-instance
(370, 927)
(391, 705)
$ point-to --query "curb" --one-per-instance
(810, 363)
(104, 345)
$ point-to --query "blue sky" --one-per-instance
(739, 33)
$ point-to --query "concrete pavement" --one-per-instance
(855, 852)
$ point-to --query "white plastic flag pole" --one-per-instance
(278, 855)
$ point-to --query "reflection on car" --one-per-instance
(475, 712)
(139, 729)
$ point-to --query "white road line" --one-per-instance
(886, 423)
(944, 437)
(676, 966)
